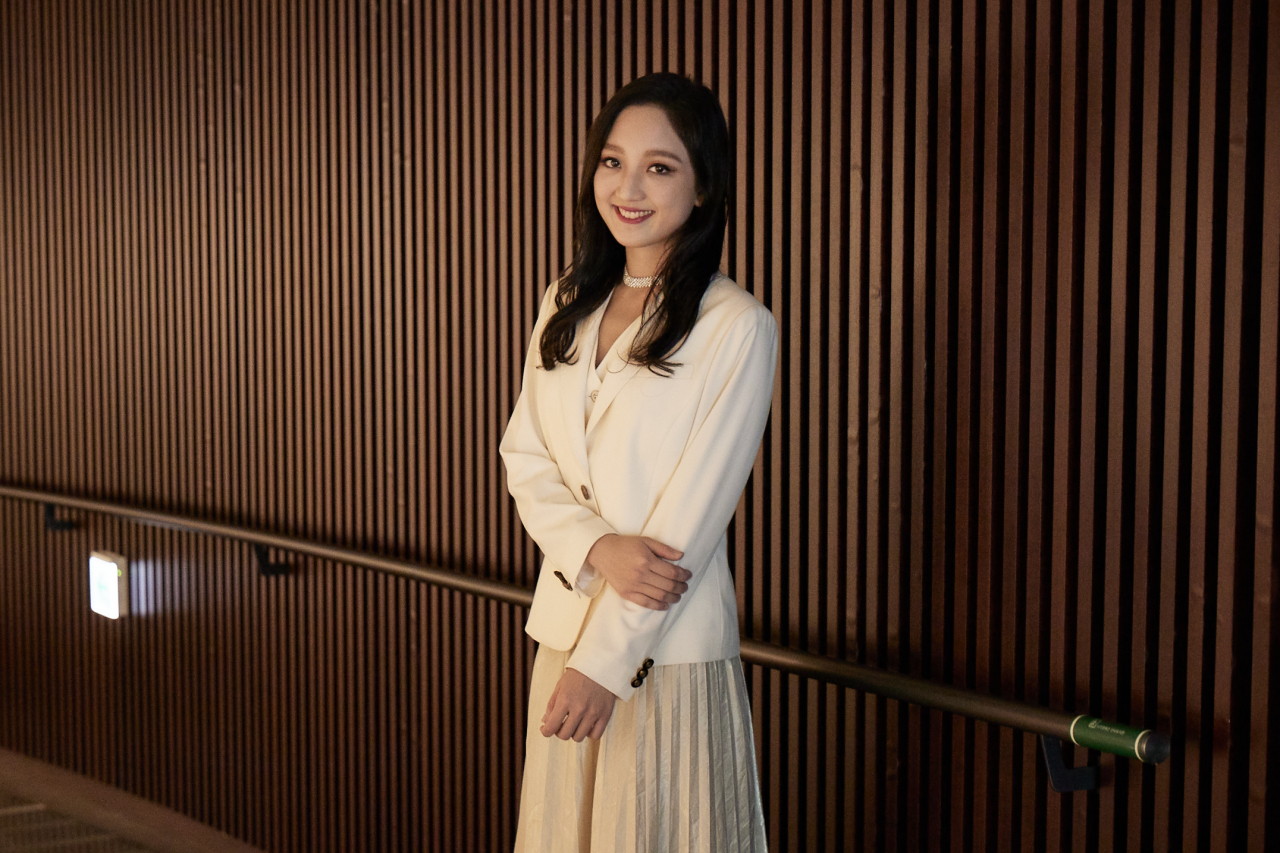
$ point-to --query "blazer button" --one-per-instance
(586, 494)
(648, 664)
(564, 581)
(637, 681)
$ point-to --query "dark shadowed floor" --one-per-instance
(46, 808)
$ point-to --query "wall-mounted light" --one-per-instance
(109, 584)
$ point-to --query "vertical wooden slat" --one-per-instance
(1234, 459)
(840, 138)
(1262, 740)
(1174, 439)
(944, 97)
(1199, 634)
(894, 325)
(8, 241)
(1136, 135)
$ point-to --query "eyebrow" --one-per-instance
(651, 152)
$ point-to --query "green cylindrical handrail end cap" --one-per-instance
(1142, 744)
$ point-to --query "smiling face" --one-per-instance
(645, 186)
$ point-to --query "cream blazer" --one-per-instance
(665, 457)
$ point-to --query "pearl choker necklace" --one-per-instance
(631, 281)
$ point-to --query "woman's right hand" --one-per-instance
(637, 568)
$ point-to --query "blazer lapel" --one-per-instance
(615, 379)
(570, 384)
(571, 387)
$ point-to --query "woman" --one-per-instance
(645, 395)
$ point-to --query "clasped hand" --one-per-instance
(637, 568)
(578, 708)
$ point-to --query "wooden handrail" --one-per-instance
(1092, 733)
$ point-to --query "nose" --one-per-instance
(629, 184)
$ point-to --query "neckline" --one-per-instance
(599, 322)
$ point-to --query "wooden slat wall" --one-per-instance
(277, 263)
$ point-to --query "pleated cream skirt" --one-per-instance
(674, 771)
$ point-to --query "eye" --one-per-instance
(661, 169)
(609, 162)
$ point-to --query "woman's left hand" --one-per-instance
(579, 708)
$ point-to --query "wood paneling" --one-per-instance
(277, 263)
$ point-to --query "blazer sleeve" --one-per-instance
(564, 529)
(699, 500)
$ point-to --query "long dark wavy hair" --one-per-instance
(694, 256)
